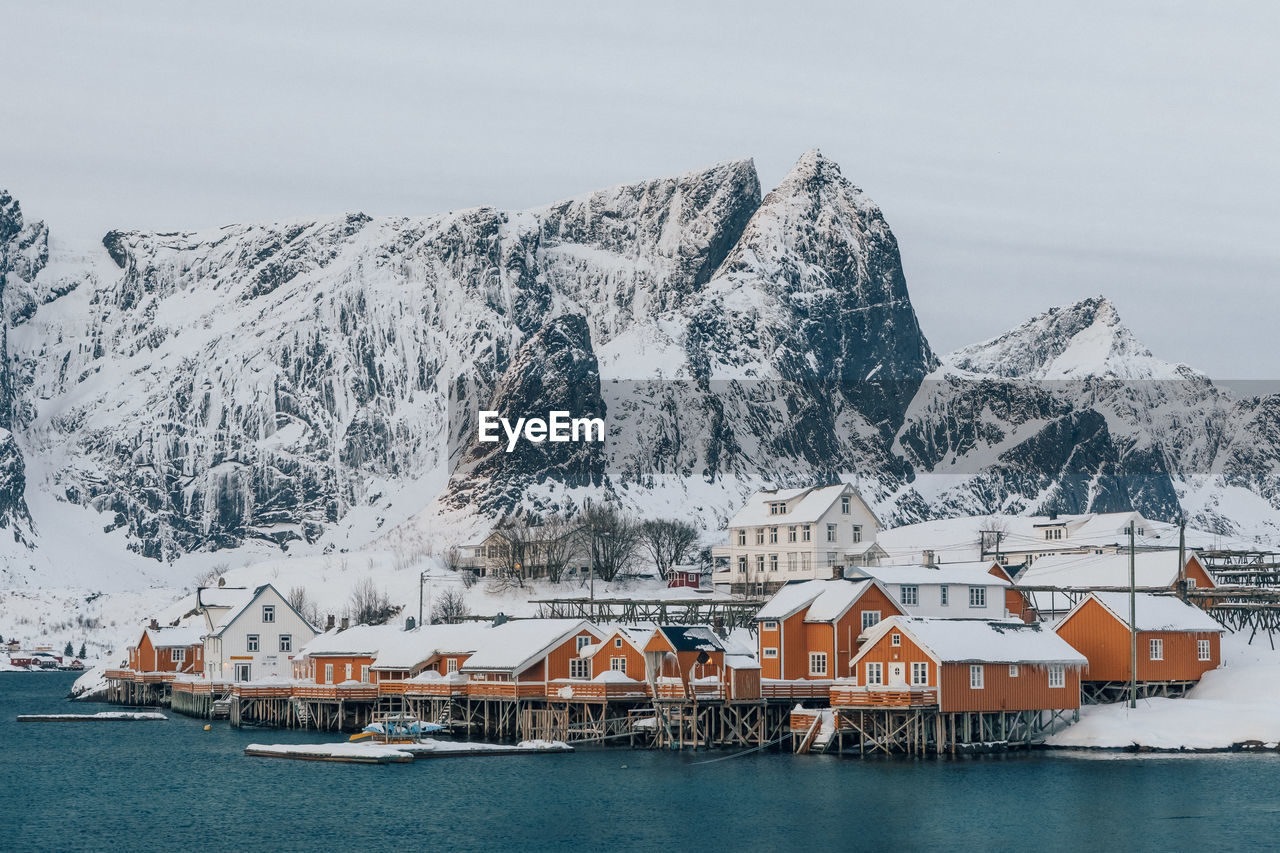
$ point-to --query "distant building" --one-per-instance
(946, 591)
(492, 554)
(783, 535)
(1070, 578)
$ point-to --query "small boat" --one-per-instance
(397, 728)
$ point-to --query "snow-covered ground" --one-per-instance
(1236, 703)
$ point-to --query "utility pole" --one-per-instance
(1182, 557)
(1133, 622)
(420, 575)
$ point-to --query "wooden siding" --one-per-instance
(795, 639)
(1097, 634)
(601, 660)
(1029, 691)
(340, 663)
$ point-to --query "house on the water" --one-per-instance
(808, 631)
(1177, 644)
(168, 650)
(519, 658)
(783, 535)
(255, 640)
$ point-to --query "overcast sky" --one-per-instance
(1025, 156)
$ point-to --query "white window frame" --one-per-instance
(874, 673)
(773, 562)
(582, 641)
(451, 665)
(1155, 648)
(1057, 675)
(328, 673)
(875, 620)
(806, 533)
(977, 676)
(346, 670)
(857, 533)
(770, 625)
(286, 643)
(831, 533)
(919, 673)
(895, 639)
(978, 596)
(618, 663)
(770, 652)
(617, 642)
(251, 643)
(910, 594)
(742, 537)
(818, 664)
(580, 669)
(759, 535)
(1204, 650)
(760, 563)
(180, 655)
(364, 673)
(773, 536)
(1191, 583)
(268, 613)
(792, 560)
(944, 595)
(845, 505)
(791, 533)
(1013, 670)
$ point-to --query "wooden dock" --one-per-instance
(399, 753)
(100, 717)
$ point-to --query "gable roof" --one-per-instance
(1153, 612)
(516, 645)
(691, 638)
(968, 574)
(171, 638)
(827, 600)
(979, 640)
(226, 621)
(1151, 568)
(804, 506)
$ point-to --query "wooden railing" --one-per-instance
(355, 692)
(776, 689)
(246, 690)
(850, 696)
(121, 674)
(506, 689)
(676, 690)
(443, 687)
(596, 690)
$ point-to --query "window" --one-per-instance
(818, 663)
(759, 535)
(791, 533)
(1202, 650)
(451, 665)
(1142, 531)
(268, 613)
(583, 641)
(778, 508)
(364, 673)
(347, 673)
(770, 652)
(1057, 675)
(618, 665)
(773, 562)
(328, 673)
(791, 561)
(1191, 583)
(857, 533)
(759, 562)
(771, 626)
(910, 594)
(806, 561)
(875, 673)
(742, 536)
(895, 639)
(1157, 649)
(944, 594)
(977, 596)
(180, 655)
(869, 618)
(286, 642)
(831, 533)
(1013, 670)
(251, 642)
(844, 505)
(805, 533)
(773, 536)
(580, 668)
(975, 676)
(919, 674)
(617, 642)
(832, 556)
(742, 565)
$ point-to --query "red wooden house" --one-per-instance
(168, 650)
(519, 658)
(1177, 643)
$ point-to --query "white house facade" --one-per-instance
(951, 591)
(784, 535)
(256, 640)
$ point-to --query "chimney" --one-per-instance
(837, 572)
(328, 625)
(930, 560)
(500, 619)
(155, 626)
(1053, 515)
(409, 624)
(346, 623)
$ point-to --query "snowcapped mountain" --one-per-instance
(313, 385)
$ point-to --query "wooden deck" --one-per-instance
(850, 696)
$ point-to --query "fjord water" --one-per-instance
(167, 785)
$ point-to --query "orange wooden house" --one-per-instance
(621, 651)
(176, 650)
(519, 658)
(340, 656)
(1177, 643)
(1079, 574)
(690, 662)
(810, 629)
(962, 665)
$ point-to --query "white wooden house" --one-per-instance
(256, 640)
(945, 591)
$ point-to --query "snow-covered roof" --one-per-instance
(182, 636)
(234, 614)
(827, 600)
(407, 649)
(1155, 612)
(804, 506)
(216, 597)
(1151, 568)
(514, 646)
(979, 640)
(356, 640)
(741, 661)
(691, 638)
(967, 574)
(633, 635)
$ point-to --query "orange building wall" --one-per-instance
(1029, 691)
(886, 653)
(340, 667)
(635, 659)
(795, 639)
(1099, 636)
(557, 660)
(147, 658)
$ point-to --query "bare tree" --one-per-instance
(560, 543)
(517, 549)
(668, 541)
(301, 602)
(612, 540)
(450, 606)
(369, 604)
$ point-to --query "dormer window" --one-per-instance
(1053, 533)
(777, 508)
